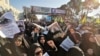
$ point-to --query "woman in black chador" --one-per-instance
(43, 43)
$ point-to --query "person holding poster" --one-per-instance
(8, 28)
(36, 50)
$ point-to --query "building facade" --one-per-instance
(5, 6)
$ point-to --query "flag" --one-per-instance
(58, 19)
(83, 20)
(97, 21)
(55, 19)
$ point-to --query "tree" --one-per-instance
(90, 4)
(77, 7)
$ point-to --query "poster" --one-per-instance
(8, 26)
(67, 44)
(46, 54)
(21, 25)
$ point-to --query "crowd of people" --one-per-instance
(33, 41)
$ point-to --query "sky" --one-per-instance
(95, 12)
(18, 4)
(43, 3)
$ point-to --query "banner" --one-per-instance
(45, 10)
(26, 10)
(8, 26)
(57, 11)
(40, 10)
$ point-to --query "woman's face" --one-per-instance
(36, 30)
(38, 52)
(51, 43)
(72, 31)
(18, 42)
(42, 40)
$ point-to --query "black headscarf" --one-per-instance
(33, 48)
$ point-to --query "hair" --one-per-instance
(33, 48)
(87, 34)
(18, 36)
(39, 38)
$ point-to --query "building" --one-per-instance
(5, 6)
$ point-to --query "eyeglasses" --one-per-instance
(37, 53)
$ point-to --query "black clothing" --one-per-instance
(8, 49)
